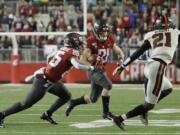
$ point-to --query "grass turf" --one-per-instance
(123, 98)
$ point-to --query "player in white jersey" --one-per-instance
(162, 41)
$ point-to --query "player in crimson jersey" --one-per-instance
(96, 53)
(46, 79)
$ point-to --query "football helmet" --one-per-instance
(73, 40)
(164, 23)
(101, 30)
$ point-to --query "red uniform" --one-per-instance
(60, 64)
(101, 49)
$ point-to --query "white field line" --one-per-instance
(82, 115)
(82, 85)
(87, 86)
(89, 133)
(104, 123)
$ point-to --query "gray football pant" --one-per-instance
(39, 88)
(99, 80)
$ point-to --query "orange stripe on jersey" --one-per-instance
(159, 78)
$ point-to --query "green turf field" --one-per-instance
(165, 120)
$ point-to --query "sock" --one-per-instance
(136, 111)
(123, 116)
(105, 103)
(164, 93)
(79, 101)
(17, 107)
(56, 105)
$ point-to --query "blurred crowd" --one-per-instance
(39, 16)
(129, 19)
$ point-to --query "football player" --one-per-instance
(46, 79)
(162, 41)
(96, 53)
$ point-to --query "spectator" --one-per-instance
(26, 27)
(125, 47)
(132, 16)
(120, 36)
(134, 40)
(79, 19)
(18, 25)
(72, 16)
(126, 21)
(51, 40)
(32, 24)
(5, 22)
(31, 9)
(22, 9)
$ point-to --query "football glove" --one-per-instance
(118, 69)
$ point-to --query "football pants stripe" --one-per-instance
(159, 78)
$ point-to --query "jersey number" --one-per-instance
(160, 37)
(103, 53)
(57, 59)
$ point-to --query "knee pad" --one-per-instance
(148, 106)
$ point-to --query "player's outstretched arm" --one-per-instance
(86, 57)
(118, 51)
(146, 45)
(75, 62)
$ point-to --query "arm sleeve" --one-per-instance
(79, 66)
(146, 45)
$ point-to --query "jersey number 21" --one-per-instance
(162, 39)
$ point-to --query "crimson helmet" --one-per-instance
(101, 30)
(73, 40)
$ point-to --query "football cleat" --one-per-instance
(2, 125)
(118, 120)
(108, 116)
(144, 119)
(48, 118)
(69, 107)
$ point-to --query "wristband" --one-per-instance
(127, 61)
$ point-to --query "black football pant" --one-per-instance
(39, 88)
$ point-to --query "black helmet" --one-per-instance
(73, 40)
(101, 30)
(164, 23)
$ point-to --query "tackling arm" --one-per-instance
(146, 45)
(86, 57)
(77, 65)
